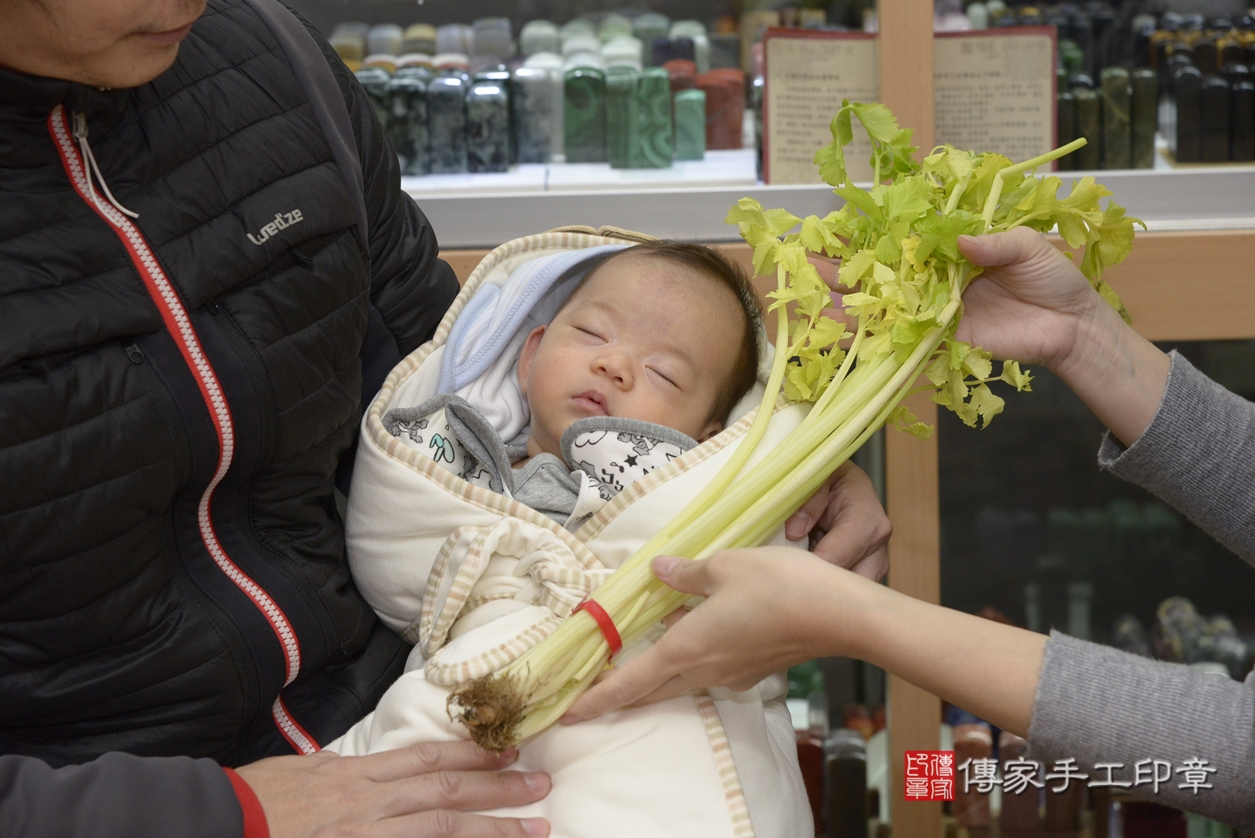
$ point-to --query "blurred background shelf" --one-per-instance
(482, 211)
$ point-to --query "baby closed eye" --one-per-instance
(664, 377)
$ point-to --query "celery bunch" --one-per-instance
(897, 243)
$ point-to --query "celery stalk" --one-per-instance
(898, 246)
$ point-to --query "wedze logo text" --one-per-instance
(283, 220)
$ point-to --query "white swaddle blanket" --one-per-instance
(474, 579)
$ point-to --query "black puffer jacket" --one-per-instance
(172, 571)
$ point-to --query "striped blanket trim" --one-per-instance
(728, 776)
(486, 663)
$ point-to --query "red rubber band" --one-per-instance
(608, 631)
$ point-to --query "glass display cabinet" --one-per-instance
(1034, 533)
(1033, 529)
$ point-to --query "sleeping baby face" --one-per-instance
(642, 339)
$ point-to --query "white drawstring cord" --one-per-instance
(80, 133)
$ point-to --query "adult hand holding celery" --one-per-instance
(899, 257)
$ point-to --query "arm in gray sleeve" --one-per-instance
(1097, 704)
(118, 796)
(1198, 454)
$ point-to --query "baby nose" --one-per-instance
(615, 366)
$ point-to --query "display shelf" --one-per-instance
(468, 212)
(485, 221)
(525, 177)
(734, 167)
(720, 168)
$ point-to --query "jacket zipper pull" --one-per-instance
(80, 125)
(90, 166)
(133, 352)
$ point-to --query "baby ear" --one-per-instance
(710, 430)
(528, 355)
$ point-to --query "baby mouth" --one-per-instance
(593, 402)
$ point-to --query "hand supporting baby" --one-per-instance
(427, 789)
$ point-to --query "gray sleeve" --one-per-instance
(118, 796)
(1098, 704)
(1198, 454)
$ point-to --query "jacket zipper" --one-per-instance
(234, 334)
(179, 326)
(227, 629)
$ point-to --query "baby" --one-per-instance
(644, 360)
(559, 391)
(664, 332)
